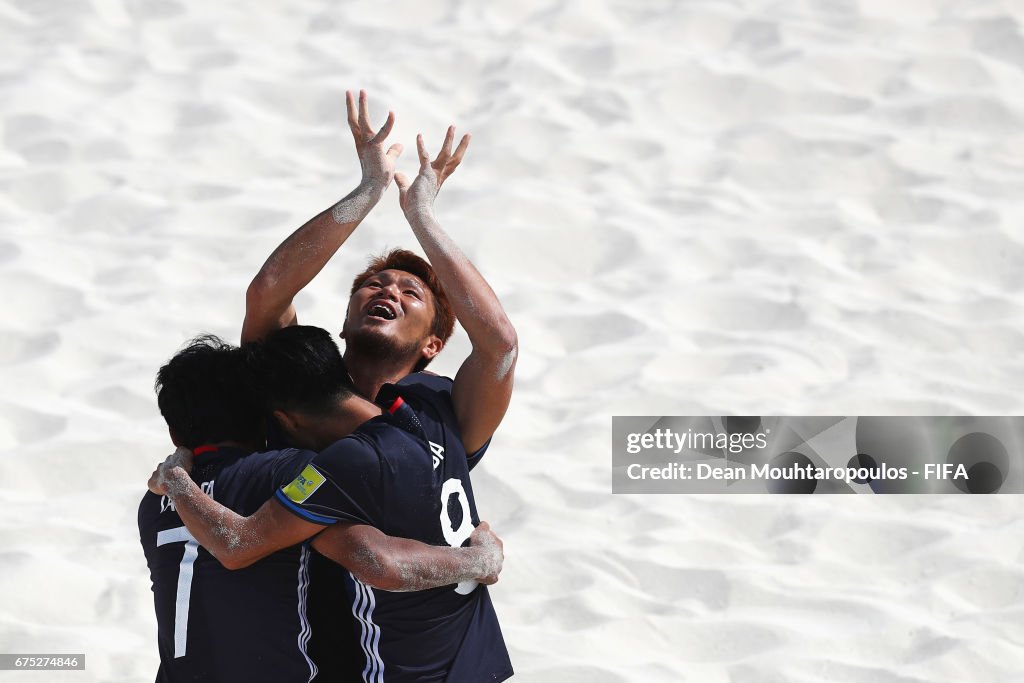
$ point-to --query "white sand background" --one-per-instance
(707, 207)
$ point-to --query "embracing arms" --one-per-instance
(401, 564)
(381, 561)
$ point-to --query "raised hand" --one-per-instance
(376, 162)
(418, 196)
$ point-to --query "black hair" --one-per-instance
(300, 368)
(206, 394)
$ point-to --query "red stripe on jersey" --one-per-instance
(396, 405)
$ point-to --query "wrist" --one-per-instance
(420, 215)
(355, 206)
(373, 186)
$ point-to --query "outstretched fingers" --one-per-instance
(353, 116)
(447, 162)
(385, 130)
(421, 148)
(460, 151)
(364, 112)
(446, 148)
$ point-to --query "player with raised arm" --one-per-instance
(401, 310)
(301, 257)
(255, 624)
(411, 481)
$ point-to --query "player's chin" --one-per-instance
(377, 330)
(373, 339)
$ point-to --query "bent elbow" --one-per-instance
(509, 340)
(230, 563)
(259, 289)
(502, 343)
(233, 561)
(506, 352)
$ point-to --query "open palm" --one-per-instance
(376, 162)
(418, 196)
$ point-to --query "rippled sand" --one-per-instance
(708, 207)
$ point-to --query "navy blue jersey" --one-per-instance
(432, 396)
(407, 474)
(217, 625)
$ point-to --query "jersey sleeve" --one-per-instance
(473, 458)
(432, 398)
(288, 464)
(342, 483)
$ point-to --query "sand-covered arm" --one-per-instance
(401, 564)
(296, 261)
(483, 384)
(376, 559)
(235, 541)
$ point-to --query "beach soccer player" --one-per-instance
(256, 624)
(401, 309)
(403, 472)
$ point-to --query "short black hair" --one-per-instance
(300, 368)
(206, 394)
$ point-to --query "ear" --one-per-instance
(174, 437)
(287, 422)
(431, 347)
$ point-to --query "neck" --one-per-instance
(345, 419)
(370, 374)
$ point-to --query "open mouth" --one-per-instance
(382, 311)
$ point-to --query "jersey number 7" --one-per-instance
(181, 535)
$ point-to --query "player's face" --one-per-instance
(392, 309)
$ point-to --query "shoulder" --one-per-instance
(426, 383)
(357, 451)
(274, 467)
(424, 393)
(358, 443)
(281, 456)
